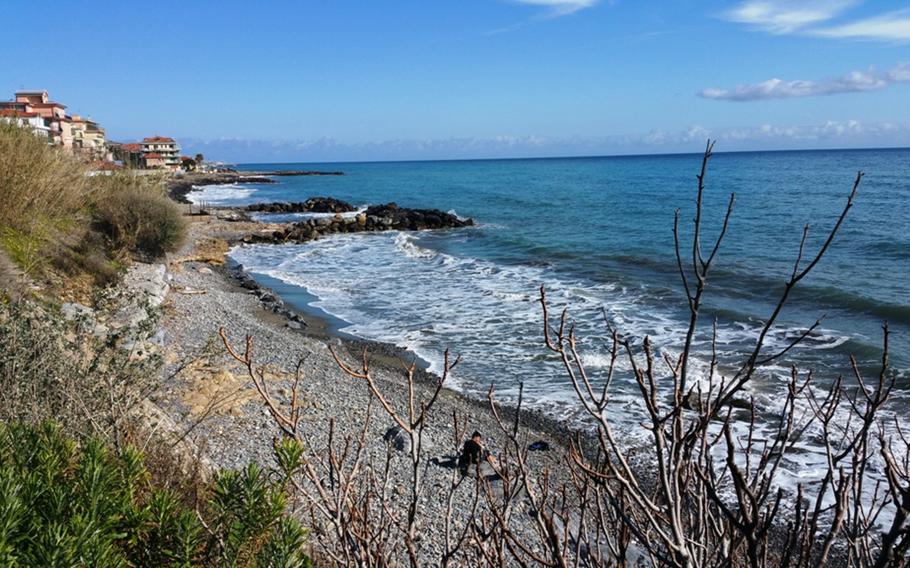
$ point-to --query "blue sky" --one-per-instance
(425, 79)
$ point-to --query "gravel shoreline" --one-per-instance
(206, 296)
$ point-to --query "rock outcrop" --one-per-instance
(386, 217)
(311, 205)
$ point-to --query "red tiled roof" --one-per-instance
(131, 147)
(158, 139)
(11, 112)
(153, 156)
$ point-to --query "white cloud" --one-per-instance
(786, 16)
(853, 82)
(561, 7)
(893, 26)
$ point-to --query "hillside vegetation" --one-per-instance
(87, 477)
(61, 226)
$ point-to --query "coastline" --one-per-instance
(213, 402)
(288, 307)
(180, 187)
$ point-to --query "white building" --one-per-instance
(31, 120)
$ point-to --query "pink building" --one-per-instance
(61, 129)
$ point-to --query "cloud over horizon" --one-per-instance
(830, 134)
(853, 82)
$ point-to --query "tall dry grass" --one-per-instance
(43, 192)
(54, 217)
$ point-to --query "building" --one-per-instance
(31, 120)
(53, 113)
(161, 152)
(155, 161)
(129, 154)
(82, 137)
(88, 139)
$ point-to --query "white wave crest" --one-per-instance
(220, 194)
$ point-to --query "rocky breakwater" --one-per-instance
(180, 185)
(311, 205)
(388, 217)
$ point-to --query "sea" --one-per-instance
(597, 233)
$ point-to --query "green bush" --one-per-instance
(65, 504)
(137, 217)
(53, 215)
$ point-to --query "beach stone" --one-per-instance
(149, 281)
(398, 439)
(204, 270)
(74, 310)
(128, 317)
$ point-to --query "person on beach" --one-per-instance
(473, 454)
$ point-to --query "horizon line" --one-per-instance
(583, 157)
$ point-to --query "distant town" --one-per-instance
(85, 138)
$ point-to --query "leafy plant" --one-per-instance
(69, 504)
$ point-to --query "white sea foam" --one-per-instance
(219, 194)
(392, 287)
(389, 287)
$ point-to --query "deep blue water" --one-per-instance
(598, 233)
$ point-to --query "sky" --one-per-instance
(352, 80)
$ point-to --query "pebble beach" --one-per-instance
(211, 398)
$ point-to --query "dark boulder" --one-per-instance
(393, 216)
(311, 205)
(377, 218)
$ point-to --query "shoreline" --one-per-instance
(291, 305)
(211, 400)
(179, 187)
(322, 327)
(325, 327)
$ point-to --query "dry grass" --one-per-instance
(137, 217)
(42, 187)
(72, 232)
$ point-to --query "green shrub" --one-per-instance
(137, 217)
(64, 504)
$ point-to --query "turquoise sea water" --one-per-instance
(597, 232)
